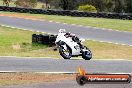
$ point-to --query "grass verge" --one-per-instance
(114, 24)
(16, 42)
(109, 51)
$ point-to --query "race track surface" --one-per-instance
(61, 65)
(97, 34)
(15, 64)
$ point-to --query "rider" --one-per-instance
(68, 34)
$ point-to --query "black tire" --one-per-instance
(63, 54)
(87, 55)
(81, 80)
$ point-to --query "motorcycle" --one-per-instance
(70, 45)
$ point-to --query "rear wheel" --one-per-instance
(65, 51)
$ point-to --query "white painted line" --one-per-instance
(108, 42)
(106, 29)
(18, 28)
(100, 41)
(120, 73)
(28, 57)
(109, 59)
(73, 24)
(9, 71)
(61, 58)
(37, 31)
(38, 72)
(11, 27)
(95, 27)
(64, 23)
(123, 44)
(117, 43)
(7, 56)
(80, 25)
(43, 32)
(60, 72)
(57, 72)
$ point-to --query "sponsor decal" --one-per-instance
(83, 78)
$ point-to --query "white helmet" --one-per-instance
(62, 31)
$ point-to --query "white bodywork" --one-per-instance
(73, 45)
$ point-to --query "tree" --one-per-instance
(68, 4)
(33, 3)
(101, 5)
(119, 6)
(110, 6)
(46, 3)
(7, 2)
(129, 6)
(64, 4)
(26, 3)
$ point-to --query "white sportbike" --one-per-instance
(70, 46)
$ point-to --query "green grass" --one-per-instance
(109, 51)
(16, 42)
(114, 24)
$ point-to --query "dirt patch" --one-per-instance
(16, 47)
(21, 16)
(26, 78)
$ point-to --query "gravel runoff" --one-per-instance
(69, 84)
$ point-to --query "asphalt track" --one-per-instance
(47, 65)
(16, 64)
(124, 38)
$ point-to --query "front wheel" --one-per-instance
(65, 51)
(87, 54)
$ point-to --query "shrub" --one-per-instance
(87, 8)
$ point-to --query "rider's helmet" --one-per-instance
(62, 31)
